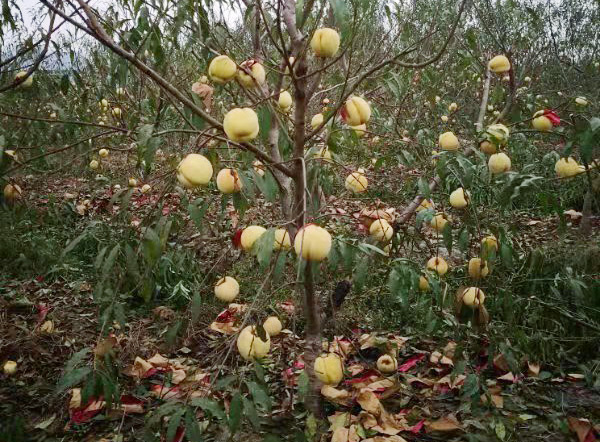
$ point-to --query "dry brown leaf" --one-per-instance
(388, 424)
(445, 424)
(335, 395)
(500, 362)
(140, 367)
(367, 341)
(414, 379)
(345, 435)
(367, 420)
(47, 327)
(447, 380)
(200, 377)
(435, 357)
(367, 216)
(355, 369)
(394, 438)
(495, 396)
(178, 376)
(369, 402)
(509, 377)
(341, 346)
(164, 313)
(339, 419)
(205, 92)
(132, 408)
(226, 328)
(573, 214)
(446, 361)
(158, 360)
(582, 427)
(105, 346)
(380, 385)
(449, 349)
(533, 369)
(75, 401)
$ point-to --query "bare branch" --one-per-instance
(37, 61)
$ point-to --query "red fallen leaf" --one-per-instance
(43, 310)
(87, 412)
(299, 365)
(82, 416)
(131, 404)
(364, 376)
(225, 316)
(166, 210)
(415, 429)
(410, 363)
(163, 392)
(179, 434)
(237, 239)
(39, 278)
(552, 116)
(583, 428)
(343, 113)
(288, 307)
(479, 368)
(443, 389)
(155, 370)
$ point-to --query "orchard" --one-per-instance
(345, 220)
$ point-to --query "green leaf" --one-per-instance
(174, 421)
(278, 271)
(196, 307)
(447, 236)
(302, 385)
(506, 253)
(259, 371)
(110, 261)
(132, 263)
(223, 383)
(471, 387)
(65, 84)
(144, 133)
(72, 378)
(264, 122)
(173, 331)
(77, 359)
(267, 185)
(162, 411)
(500, 430)
(423, 187)
(151, 247)
(361, 271)
(424, 216)
(235, 413)
(311, 427)
(192, 427)
(209, 406)
(251, 414)
(263, 247)
(197, 210)
(259, 396)
(74, 243)
(240, 203)
(463, 239)
(515, 185)
(366, 247)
